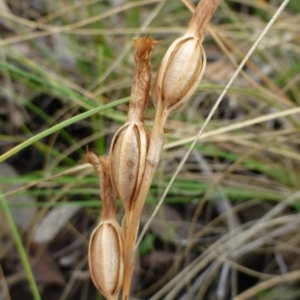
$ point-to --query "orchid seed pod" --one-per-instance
(128, 158)
(106, 245)
(130, 143)
(106, 258)
(180, 73)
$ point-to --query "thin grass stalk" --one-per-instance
(60, 126)
(20, 248)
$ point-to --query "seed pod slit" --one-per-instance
(106, 257)
(179, 74)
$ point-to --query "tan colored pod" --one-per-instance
(180, 73)
(106, 258)
(127, 161)
(130, 143)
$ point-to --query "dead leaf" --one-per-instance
(45, 269)
(53, 223)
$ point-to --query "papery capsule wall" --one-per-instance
(180, 73)
(106, 258)
(130, 143)
(127, 161)
(107, 191)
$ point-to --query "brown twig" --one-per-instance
(202, 16)
(155, 147)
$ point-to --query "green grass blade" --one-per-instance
(19, 245)
(59, 126)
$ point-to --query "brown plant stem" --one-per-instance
(107, 192)
(152, 160)
(202, 16)
(141, 80)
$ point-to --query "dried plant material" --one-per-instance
(134, 156)
(143, 48)
(180, 73)
(106, 258)
(130, 143)
(168, 225)
(106, 242)
(184, 63)
(45, 268)
(53, 223)
(202, 16)
(107, 192)
(178, 77)
(128, 155)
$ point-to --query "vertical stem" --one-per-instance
(202, 16)
(139, 92)
(143, 48)
(155, 148)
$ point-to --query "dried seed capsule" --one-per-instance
(127, 161)
(106, 258)
(180, 73)
(130, 143)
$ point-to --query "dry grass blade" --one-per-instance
(228, 225)
(232, 127)
(286, 278)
